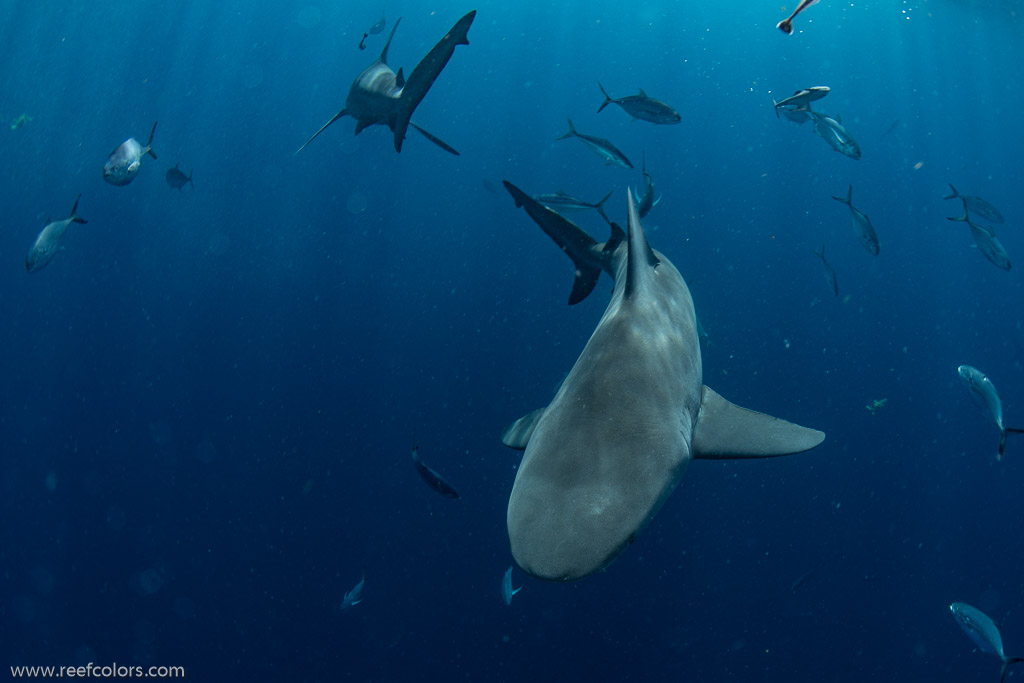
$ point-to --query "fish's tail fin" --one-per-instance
(819, 254)
(607, 98)
(1007, 431)
(966, 218)
(848, 200)
(74, 216)
(1006, 665)
(600, 206)
(955, 193)
(776, 103)
(149, 143)
(571, 133)
(786, 26)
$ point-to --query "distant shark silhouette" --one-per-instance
(380, 95)
(607, 452)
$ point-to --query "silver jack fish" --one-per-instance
(831, 131)
(987, 242)
(125, 161)
(599, 146)
(830, 272)
(801, 99)
(48, 242)
(642, 107)
(983, 631)
(861, 223)
(354, 596)
(977, 206)
(985, 395)
(507, 591)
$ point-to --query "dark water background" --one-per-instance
(209, 397)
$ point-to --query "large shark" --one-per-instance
(603, 457)
(380, 95)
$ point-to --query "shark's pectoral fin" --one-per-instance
(518, 434)
(725, 430)
(343, 112)
(436, 140)
(583, 283)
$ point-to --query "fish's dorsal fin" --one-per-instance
(725, 431)
(641, 260)
(383, 59)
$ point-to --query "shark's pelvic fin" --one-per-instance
(725, 430)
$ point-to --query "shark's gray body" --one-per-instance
(380, 96)
(603, 457)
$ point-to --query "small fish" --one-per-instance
(560, 201)
(354, 596)
(647, 202)
(176, 178)
(507, 591)
(362, 41)
(125, 161)
(48, 241)
(702, 333)
(786, 25)
(20, 121)
(981, 629)
(801, 99)
(599, 146)
(987, 242)
(433, 479)
(642, 107)
(831, 131)
(985, 395)
(978, 206)
(830, 272)
(379, 26)
(800, 580)
(861, 224)
(876, 405)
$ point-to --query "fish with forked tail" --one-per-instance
(599, 146)
(642, 107)
(126, 160)
(49, 240)
(786, 25)
(861, 223)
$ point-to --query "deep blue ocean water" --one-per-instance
(210, 396)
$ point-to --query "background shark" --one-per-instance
(607, 452)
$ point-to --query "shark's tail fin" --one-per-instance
(1007, 431)
(570, 134)
(426, 72)
(848, 199)
(607, 98)
(1006, 665)
(149, 143)
(75, 217)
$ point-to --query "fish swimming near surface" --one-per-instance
(801, 99)
(354, 596)
(984, 393)
(507, 591)
(987, 242)
(786, 25)
(983, 631)
(831, 131)
(830, 272)
(380, 96)
(599, 146)
(49, 240)
(977, 206)
(645, 203)
(176, 179)
(642, 107)
(861, 223)
(125, 161)
(612, 445)
(433, 479)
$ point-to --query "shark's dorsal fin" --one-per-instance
(517, 435)
(640, 257)
(383, 59)
(725, 430)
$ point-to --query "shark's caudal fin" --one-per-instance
(641, 259)
(848, 199)
(149, 143)
(75, 217)
(725, 431)
(576, 243)
(426, 72)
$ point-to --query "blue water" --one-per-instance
(210, 396)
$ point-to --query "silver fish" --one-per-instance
(642, 107)
(830, 272)
(176, 178)
(786, 25)
(354, 596)
(801, 99)
(831, 131)
(560, 201)
(645, 203)
(983, 631)
(800, 115)
(124, 162)
(432, 478)
(977, 206)
(987, 242)
(599, 146)
(861, 224)
(49, 240)
(507, 591)
(379, 26)
(985, 395)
